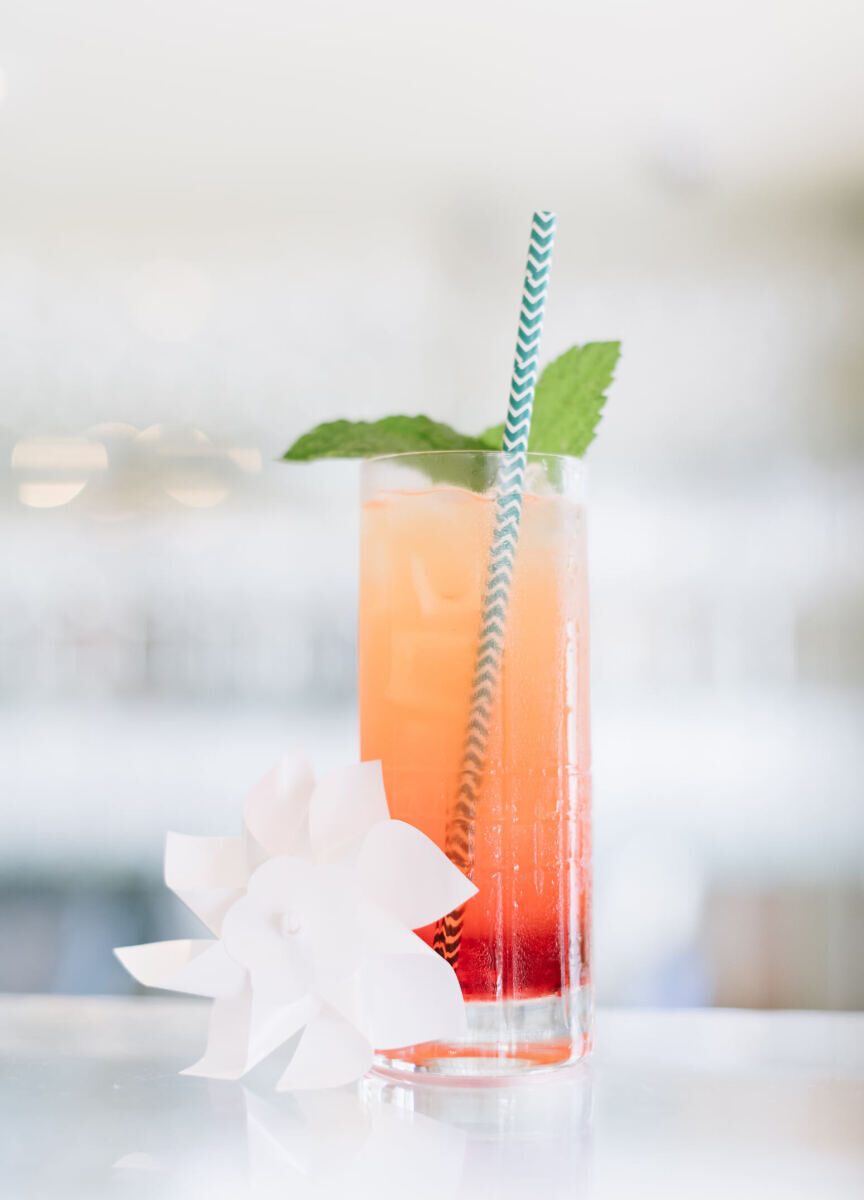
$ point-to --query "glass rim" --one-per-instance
(531, 454)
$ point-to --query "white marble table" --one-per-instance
(692, 1104)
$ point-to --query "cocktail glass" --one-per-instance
(524, 953)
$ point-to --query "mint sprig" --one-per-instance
(568, 405)
(390, 435)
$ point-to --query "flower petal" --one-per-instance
(314, 907)
(244, 1030)
(281, 883)
(200, 863)
(400, 1000)
(332, 933)
(200, 967)
(209, 906)
(379, 932)
(406, 873)
(344, 806)
(227, 1053)
(276, 809)
(412, 999)
(279, 970)
(273, 1024)
(331, 1053)
(208, 874)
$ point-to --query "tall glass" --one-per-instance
(524, 956)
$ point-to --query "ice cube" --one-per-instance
(430, 672)
(444, 583)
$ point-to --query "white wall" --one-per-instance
(240, 219)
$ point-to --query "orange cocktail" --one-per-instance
(525, 940)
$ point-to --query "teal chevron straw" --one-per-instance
(459, 838)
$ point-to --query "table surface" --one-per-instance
(697, 1104)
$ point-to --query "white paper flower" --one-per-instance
(313, 908)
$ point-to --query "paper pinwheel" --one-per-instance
(312, 908)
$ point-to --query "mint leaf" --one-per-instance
(570, 396)
(568, 401)
(568, 404)
(493, 437)
(390, 435)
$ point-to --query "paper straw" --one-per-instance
(459, 838)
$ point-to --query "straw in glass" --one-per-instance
(459, 837)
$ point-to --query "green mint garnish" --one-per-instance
(568, 404)
(390, 435)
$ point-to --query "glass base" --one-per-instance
(505, 1039)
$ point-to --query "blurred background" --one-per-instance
(221, 223)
